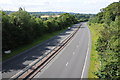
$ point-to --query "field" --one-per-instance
(47, 16)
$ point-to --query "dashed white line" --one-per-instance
(73, 53)
(25, 58)
(77, 46)
(66, 63)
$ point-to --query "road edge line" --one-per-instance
(86, 58)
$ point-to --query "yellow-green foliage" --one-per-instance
(94, 62)
(107, 45)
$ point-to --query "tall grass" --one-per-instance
(94, 60)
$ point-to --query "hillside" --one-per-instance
(106, 24)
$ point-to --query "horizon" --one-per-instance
(52, 12)
(69, 6)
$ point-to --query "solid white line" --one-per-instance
(41, 56)
(85, 59)
(0, 75)
(25, 67)
(85, 64)
(66, 63)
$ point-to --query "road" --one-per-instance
(22, 60)
(73, 60)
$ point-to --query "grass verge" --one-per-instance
(94, 61)
(35, 42)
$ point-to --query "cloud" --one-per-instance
(86, 6)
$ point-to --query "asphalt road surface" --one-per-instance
(73, 60)
(19, 62)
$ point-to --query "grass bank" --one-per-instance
(35, 42)
(94, 62)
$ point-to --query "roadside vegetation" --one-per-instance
(94, 62)
(27, 46)
(105, 52)
(83, 17)
(46, 15)
(20, 30)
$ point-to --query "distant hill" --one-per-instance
(40, 13)
(79, 16)
(46, 13)
(8, 12)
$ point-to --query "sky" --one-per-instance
(76, 6)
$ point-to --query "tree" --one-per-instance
(108, 43)
(21, 28)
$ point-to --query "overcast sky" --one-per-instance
(77, 6)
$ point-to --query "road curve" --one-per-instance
(73, 60)
(17, 63)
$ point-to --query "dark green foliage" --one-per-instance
(83, 17)
(108, 14)
(97, 19)
(108, 43)
(20, 28)
(78, 16)
(37, 14)
(101, 45)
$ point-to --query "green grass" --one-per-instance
(94, 62)
(35, 42)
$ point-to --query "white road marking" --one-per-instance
(0, 75)
(25, 58)
(66, 63)
(85, 58)
(52, 60)
(73, 53)
(77, 46)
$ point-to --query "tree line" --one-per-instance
(107, 45)
(79, 16)
(83, 17)
(20, 28)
